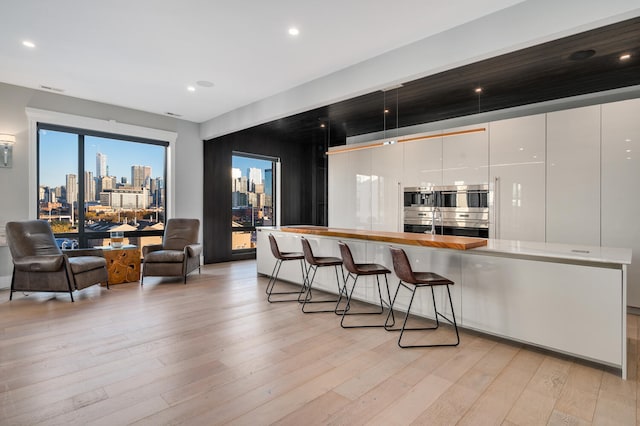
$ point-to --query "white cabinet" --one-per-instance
(465, 157)
(517, 169)
(386, 193)
(573, 176)
(423, 162)
(349, 190)
(620, 180)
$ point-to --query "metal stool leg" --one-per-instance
(349, 299)
(272, 282)
(309, 293)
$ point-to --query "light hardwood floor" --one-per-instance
(215, 352)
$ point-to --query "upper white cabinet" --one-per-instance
(349, 190)
(573, 176)
(386, 191)
(465, 157)
(423, 162)
(517, 169)
(620, 180)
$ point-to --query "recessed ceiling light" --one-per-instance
(323, 125)
(204, 83)
(173, 114)
(386, 111)
(294, 31)
(29, 44)
(478, 90)
(191, 88)
(625, 57)
(581, 55)
(55, 89)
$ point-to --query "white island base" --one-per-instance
(568, 299)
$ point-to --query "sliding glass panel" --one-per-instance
(124, 187)
(58, 183)
(252, 198)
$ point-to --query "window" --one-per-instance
(253, 200)
(91, 183)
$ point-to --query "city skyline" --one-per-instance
(60, 150)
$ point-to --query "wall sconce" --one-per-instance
(6, 142)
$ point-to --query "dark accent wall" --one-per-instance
(303, 181)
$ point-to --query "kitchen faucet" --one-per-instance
(435, 210)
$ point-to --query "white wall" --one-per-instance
(523, 25)
(14, 182)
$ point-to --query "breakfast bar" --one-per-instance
(565, 298)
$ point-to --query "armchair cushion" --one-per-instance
(44, 263)
(86, 263)
(165, 256)
(148, 249)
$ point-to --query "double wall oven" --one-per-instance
(447, 210)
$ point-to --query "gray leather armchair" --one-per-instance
(179, 253)
(39, 265)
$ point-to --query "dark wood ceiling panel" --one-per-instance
(535, 74)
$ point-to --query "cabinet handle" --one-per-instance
(496, 206)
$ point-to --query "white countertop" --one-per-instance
(556, 251)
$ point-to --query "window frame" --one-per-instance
(275, 161)
(101, 128)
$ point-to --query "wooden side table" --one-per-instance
(123, 264)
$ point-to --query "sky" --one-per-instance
(243, 163)
(59, 157)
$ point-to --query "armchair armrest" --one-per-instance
(193, 250)
(44, 263)
(151, 248)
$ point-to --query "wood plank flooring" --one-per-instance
(215, 352)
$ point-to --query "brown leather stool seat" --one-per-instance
(355, 270)
(314, 263)
(413, 281)
(282, 257)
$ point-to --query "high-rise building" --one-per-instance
(254, 175)
(140, 176)
(72, 189)
(268, 182)
(89, 187)
(101, 165)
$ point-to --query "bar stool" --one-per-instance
(282, 257)
(314, 263)
(418, 280)
(355, 270)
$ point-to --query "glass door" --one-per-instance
(253, 198)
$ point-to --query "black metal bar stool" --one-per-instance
(314, 263)
(282, 257)
(413, 281)
(355, 270)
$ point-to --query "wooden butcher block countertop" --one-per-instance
(407, 238)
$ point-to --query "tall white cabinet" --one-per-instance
(573, 176)
(386, 191)
(465, 157)
(350, 190)
(621, 185)
(517, 171)
(423, 162)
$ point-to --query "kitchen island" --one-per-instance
(565, 298)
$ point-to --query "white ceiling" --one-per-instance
(143, 54)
